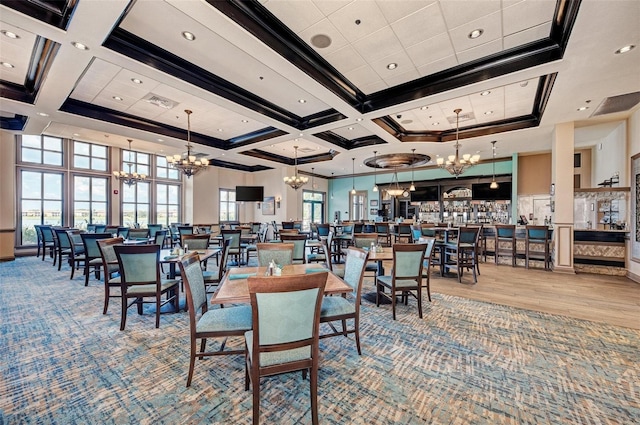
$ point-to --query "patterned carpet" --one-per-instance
(466, 362)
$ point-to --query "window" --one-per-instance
(358, 203)
(228, 208)
(89, 156)
(312, 208)
(40, 202)
(163, 171)
(167, 204)
(41, 150)
(139, 161)
(89, 201)
(135, 204)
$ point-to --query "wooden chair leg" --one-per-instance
(192, 360)
(313, 390)
(255, 380)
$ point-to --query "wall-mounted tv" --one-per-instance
(482, 191)
(249, 193)
(422, 194)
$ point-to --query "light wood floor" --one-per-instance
(610, 299)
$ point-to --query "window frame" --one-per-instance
(227, 209)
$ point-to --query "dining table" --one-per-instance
(166, 257)
(234, 286)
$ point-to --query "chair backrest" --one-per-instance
(404, 229)
(407, 260)
(199, 242)
(139, 264)
(281, 253)
(357, 228)
(255, 228)
(233, 236)
(47, 233)
(159, 237)
(109, 258)
(194, 287)
(347, 229)
(416, 234)
(91, 228)
(111, 229)
(223, 259)
(185, 230)
(354, 271)
(297, 225)
(262, 234)
(428, 253)
(287, 224)
(153, 228)
(323, 229)
(90, 243)
(123, 232)
(100, 228)
(537, 233)
(364, 240)
(294, 300)
(38, 233)
(64, 242)
(299, 245)
(289, 231)
(428, 231)
(382, 228)
(468, 235)
(326, 249)
(138, 234)
(506, 231)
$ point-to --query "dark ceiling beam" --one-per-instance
(348, 144)
(268, 156)
(15, 123)
(239, 167)
(56, 13)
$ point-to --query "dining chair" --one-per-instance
(342, 308)
(537, 237)
(382, 230)
(92, 256)
(320, 256)
(287, 225)
(406, 277)
(280, 253)
(160, 237)
(123, 232)
(365, 241)
(153, 228)
(505, 242)
(47, 241)
(403, 231)
(253, 248)
(140, 278)
(193, 241)
(39, 238)
(213, 278)
(235, 247)
(255, 228)
(138, 234)
(100, 228)
(110, 267)
(112, 230)
(272, 348)
(76, 256)
(462, 254)
(322, 229)
(428, 262)
(64, 246)
(209, 323)
(299, 246)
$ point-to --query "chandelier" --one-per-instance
(129, 178)
(375, 171)
(189, 164)
(454, 164)
(296, 181)
(395, 190)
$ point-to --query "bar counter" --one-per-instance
(599, 251)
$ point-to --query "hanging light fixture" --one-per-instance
(129, 178)
(189, 165)
(412, 188)
(375, 171)
(395, 190)
(494, 183)
(313, 184)
(332, 185)
(454, 164)
(353, 177)
(296, 181)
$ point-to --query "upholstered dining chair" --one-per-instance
(76, 256)
(299, 246)
(196, 242)
(364, 241)
(537, 245)
(463, 254)
(160, 237)
(213, 278)
(281, 253)
(110, 267)
(92, 256)
(153, 228)
(209, 323)
(235, 247)
(64, 246)
(253, 248)
(428, 262)
(341, 308)
(138, 234)
(140, 278)
(406, 277)
(383, 232)
(272, 348)
(39, 238)
(47, 241)
(505, 242)
(320, 256)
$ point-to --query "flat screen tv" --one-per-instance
(422, 194)
(482, 192)
(249, 193)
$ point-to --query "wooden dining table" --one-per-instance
(236, 290)
(172, 260)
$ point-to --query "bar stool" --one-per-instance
(538, 235)
(506, 233)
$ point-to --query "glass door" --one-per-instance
(312, 208)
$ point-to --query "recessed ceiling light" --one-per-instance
(272, 145)
(117, 98)
(583, 108)
(476, 33)
(43, 114)
(358, 119)
(424, 108)
(160, 140)
(76, 134)
(301, 134)
(350, 128)
(392, 65)
(295, 140)
(524, 84)
(302, 101)
(188, 35)
(7, 65)
(79, 46)
(625, 49)
(10, 34)
(136, 80)
(220, 130)
(488, 113)
(485, 93)
(245, 121)
(435, 123)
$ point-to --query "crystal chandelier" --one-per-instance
(395, 190)
(454, 164)
(129, 178)
(296, 181)
(189, 164)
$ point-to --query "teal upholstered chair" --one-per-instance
(138, 234)
(65, 246)
(416, 234)
(140, 278)
(343, 308)
(39, 238)
(100, 228)
(428, 261)
(537, 245)
(463, 253)
(364, 241)
(47, 241)
(299, 246)
(273, 348)
(160, 237)
(153, 228)
(281, 253)
(406, 278)
(321, 255)
(213, 278)
(110, 267)
(383, 232)
(123, 232)
(235, 247)
(505, 235)
(209, 323)
(92, 256)
(253, 248)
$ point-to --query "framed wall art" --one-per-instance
(269, 206)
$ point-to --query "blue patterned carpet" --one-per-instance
(466, 362)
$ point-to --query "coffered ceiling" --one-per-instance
(339, 79)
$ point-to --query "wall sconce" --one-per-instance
(278, 202)
(259, 206)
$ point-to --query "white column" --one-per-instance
(562, 151)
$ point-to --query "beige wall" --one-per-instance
(7, 195)
(633, 132)
(534, 174)
(585, 168)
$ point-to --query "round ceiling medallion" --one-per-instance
(397, 160)
(321, 41)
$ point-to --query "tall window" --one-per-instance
(163, 171)
(40, 202)
(89, 156)
(312, 208)
(167, 204)
(89, 201)
(228, 208)
(41, 150)
(135, 204)
(358, 203)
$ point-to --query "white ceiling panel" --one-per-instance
(346, 59)
(480, 51)
(431, 50)
(378, 45)
(527, 14)
(424, 24)
(324, 27)
(302, 14)
(368, 15)
(491, 24)
(437, 66)
(526, 36)
(12, 51)
(327, 7)
(461, 12)
(398, 9)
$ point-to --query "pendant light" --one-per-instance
(353, 176)
(313, 184)
(332, 183)
(494, 183)
(456, 164)
(375, 171)
(412, 188)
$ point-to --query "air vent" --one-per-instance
(306, 150)
(160, 101)
(463, 117)
(620, 103)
